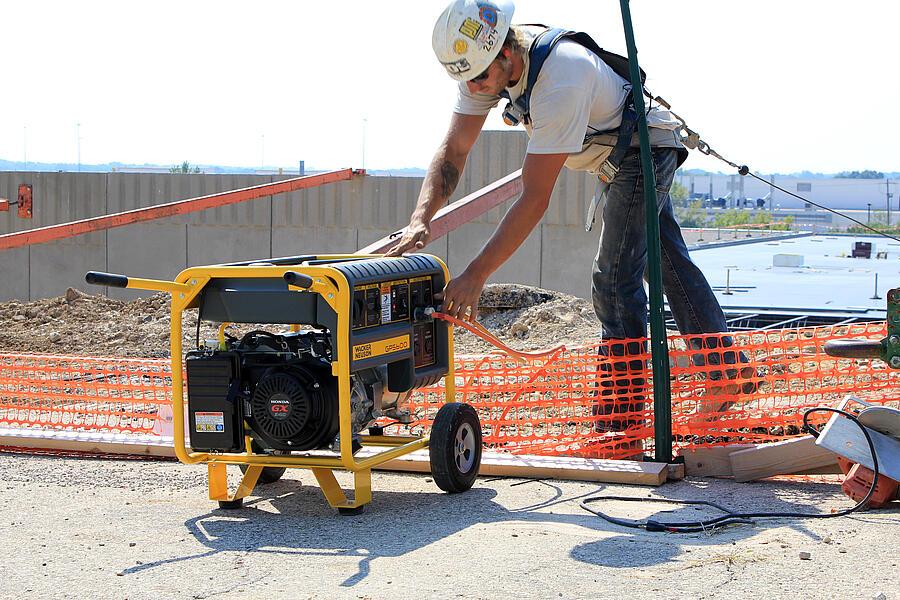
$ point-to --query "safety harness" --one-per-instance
(518, 111)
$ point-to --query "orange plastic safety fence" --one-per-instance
(593, 401)
(597, 400)
(83, 393)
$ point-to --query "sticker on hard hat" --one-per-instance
(457, 67)
(488, 14)
(460, 46)
(487, 39)
(470, 28)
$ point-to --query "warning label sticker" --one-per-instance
(209, 422)
(386, 303)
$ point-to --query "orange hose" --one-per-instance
(479, 330)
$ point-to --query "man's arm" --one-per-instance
(440, 181)
(539, 174)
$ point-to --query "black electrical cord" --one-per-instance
(731, 517)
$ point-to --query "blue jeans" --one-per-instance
(617, 289)
(620, 302)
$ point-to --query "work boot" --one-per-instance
(621, 385)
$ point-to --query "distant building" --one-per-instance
(734, 191)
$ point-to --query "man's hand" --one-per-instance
(415, 237)
(461, 295)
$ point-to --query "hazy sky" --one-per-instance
(781, 85)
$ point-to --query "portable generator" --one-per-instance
(360, 341)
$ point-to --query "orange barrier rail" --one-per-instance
(460, 212)
(589, 401)
(180, 207)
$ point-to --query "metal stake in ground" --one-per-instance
(659, 350)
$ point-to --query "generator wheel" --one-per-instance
(231, 504)
(455, 447)
(268, 474)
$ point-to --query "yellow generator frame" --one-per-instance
(333, 287)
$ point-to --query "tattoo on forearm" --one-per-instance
(449, 178)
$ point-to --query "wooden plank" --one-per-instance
(712, 461)
(86, 442)
(492, 464)
(548, 467)
(834, 469)
(675, 472)
(842, 436)
(780, 458)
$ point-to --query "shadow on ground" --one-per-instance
(397, 523)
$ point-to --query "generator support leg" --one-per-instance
(362, 493)
(218, 482)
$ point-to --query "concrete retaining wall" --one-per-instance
(336, 218)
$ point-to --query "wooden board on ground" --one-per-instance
(549, 467)
(83, 441)
(780, 458)
(492, 464)
(712, 461)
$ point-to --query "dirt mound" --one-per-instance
(530, 318)
(523, 317)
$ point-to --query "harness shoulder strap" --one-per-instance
(518, 111)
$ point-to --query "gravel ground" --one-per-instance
(84, 528)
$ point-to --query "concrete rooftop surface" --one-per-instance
(827, 280)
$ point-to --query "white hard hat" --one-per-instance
(469, 34)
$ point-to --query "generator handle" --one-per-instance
(110, 279)
(298, 279)
(854, 348)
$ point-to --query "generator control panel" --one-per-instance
(378, 304)
(388, 323)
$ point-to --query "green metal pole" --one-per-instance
(659, 350)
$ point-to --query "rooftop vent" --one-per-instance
(787, 260)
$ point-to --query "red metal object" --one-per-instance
(4, 205)
(24, 201)
(65, 230)
(859, 480)
(460, 212)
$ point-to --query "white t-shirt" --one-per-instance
(575, 94)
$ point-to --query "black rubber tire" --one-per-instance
(455, 447)
(231, 504)
(269, 474)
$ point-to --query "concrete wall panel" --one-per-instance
(296, 241)
(566, 259)
(64, 197)
(62, 264)
(522, 267)
(217, 244)
(331, 205)
(154, 251)
(14, 278)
